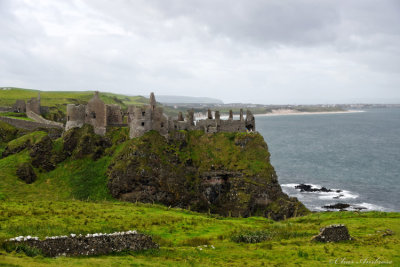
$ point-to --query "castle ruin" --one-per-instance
(32, 105)
(151, 117)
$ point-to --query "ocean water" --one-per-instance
(358, 153)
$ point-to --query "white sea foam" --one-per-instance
(343, 194)
(370, 206)
(289, 185)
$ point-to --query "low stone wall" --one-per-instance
(40, 119)
(6, 109)
(91, 244)
(24, 124)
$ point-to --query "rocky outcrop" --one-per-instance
(26, 173)
(91, 244)
(224, 173)
(309, 188)
(333, 233)
(81, 142)
(41, 154)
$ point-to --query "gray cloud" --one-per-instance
(249, 51)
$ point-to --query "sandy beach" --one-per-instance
(288, 112)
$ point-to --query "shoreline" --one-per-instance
(290, 112)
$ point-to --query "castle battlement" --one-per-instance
(151, 117)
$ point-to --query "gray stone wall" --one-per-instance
(96, 114)
(33, 105)
(75, 116)
(114, 115)
(28, 125)
(19, 106)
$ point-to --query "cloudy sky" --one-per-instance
(259, 51)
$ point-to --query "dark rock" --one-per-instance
(41, 154)
(308, 188)
(10, 151)
(81, 142)
(338, 206)
(26, 173)
(387, 232)
(333, 233)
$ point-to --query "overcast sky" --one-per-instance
(269, 52)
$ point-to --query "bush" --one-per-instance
(196, 241)
(251, 236)
(29, 251)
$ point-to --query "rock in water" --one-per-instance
(333, 233)
(338, 206)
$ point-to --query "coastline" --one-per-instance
(289, 112)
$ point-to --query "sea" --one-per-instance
(357, 153)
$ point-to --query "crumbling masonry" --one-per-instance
(143, 119)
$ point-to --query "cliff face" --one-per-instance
(224, 173)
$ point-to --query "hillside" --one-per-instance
(58, 100)
(70, 194)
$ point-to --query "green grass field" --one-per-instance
(54, 98)
(187, 238)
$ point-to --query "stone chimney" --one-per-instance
(180, 117)
(241, 115)
(152, 101)
(230, 114)
(209, 114)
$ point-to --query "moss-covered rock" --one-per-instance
(7, 132)
(23, 142)
(224, 173)
(81, 142)
(26, 173)
(41, 154)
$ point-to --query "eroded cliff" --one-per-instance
(222, 173)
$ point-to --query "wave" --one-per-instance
(335, 194)
(344, 194)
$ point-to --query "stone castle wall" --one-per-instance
(143, 119)
(24, 124)
(114, 115)
(33, 105)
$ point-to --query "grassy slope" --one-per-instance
(54, 98)
(181, 232)
(47, 207)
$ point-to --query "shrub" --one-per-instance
(251, 236)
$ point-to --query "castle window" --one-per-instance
(93, 115)
(162, 124)
(143, 113)
(142, 123)
(68, 118)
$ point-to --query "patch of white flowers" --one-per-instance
(26, 238)
(205, 246)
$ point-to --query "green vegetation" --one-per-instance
(73, 198)
(54, 98)
(15, 115)
(187, 238)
